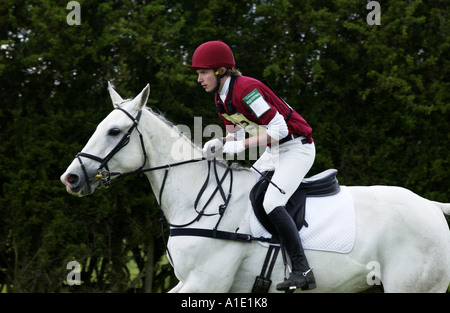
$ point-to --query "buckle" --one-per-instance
(104, 176)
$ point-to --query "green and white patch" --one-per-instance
(256, 102)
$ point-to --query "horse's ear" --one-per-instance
(141, 99)
(115, 97)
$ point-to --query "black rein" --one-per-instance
(105, 175)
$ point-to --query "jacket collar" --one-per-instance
(224, 91)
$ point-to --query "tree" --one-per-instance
(377, 97)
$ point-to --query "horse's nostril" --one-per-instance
(72, 179)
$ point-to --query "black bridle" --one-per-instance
(103, 172)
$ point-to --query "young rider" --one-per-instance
(249, 104)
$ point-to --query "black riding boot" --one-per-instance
(302, 275)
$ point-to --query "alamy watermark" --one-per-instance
(181, 151)
(74, 276)
(374, 16)
(74, 16)
(374, 276)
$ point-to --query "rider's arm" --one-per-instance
(235, 133)
(276, 130)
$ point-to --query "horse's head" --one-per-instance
(115, 147)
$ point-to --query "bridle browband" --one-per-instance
(103, 172)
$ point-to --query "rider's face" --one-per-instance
(207, 79)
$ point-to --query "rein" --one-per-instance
(104, 174)
(201, 213)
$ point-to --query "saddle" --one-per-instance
(321, 185)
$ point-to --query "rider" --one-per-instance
(290, 149)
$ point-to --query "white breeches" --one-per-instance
(291, 161)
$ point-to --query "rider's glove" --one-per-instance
(233, 147)
(211, 147)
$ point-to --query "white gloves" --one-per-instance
(211, 147)
(231, 147)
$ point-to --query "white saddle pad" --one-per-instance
(331, 220)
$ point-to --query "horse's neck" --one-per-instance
(165, 145)
(166, 142)
(182, 185)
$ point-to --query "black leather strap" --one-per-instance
(216, 234)
(291, 137)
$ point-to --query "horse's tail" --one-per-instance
(445, 207)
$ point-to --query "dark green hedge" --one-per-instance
(377, 97)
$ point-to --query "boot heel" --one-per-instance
(310, 281)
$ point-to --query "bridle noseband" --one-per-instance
(103, 172)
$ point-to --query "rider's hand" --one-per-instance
(211, 147)
(233, 147)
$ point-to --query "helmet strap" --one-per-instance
(219, 77)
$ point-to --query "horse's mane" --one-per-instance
(161, 116)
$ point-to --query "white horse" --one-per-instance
(405, 234)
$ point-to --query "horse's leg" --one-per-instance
(205, 265)
(420, 266)
(415, 256)
(215, 275)
(200, 282)
(177, 288)
(415, 274)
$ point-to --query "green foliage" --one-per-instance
(377, 97)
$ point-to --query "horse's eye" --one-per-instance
(114, 132)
